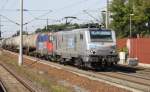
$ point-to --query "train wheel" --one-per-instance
(112, 63)
(62, 61)
(79, 63)
(87, 65)
(108, 64)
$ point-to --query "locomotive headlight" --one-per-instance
(114, 51)
(93, 51)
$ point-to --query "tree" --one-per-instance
(18, 33)
(38, 30)
(57, 27)
(122, 9)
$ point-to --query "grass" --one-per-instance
(33, 75)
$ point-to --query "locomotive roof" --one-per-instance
(84, 29)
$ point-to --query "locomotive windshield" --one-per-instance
(100, 35)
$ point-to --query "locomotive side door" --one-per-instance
(80, 43)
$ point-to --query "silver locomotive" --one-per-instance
(89, 47)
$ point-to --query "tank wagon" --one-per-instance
(1, 41)
(89, 47)
(11, 43)
(38, 43)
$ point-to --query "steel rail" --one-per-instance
(18, 79)
(3, 86)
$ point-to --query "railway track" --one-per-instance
(136, 75)
(134, 72)
(2, 87)
(122, 80)
(6, 84)
(134, 82)
(144, 72)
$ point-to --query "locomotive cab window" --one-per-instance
(100, 35)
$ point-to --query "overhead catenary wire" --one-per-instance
(28, 11)
(32, 12)
(9, 19)
(15, 10)
(60, 9)
(80, 13)
(3, 6)
(71, 5)
(57, 10)
(91, 16)
(86, 9)
(35, 18)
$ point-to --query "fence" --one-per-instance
(139, 48)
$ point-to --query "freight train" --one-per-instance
(86, 47)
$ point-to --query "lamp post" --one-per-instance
(131, 25)
(20, 61)
(131, 45)
(105, 19)
(107, 15)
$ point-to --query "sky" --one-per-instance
(37, 11)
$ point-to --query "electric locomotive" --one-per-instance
(87, 47)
